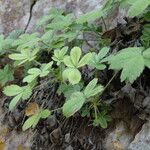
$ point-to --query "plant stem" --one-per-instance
(37, 63)
(110, 81)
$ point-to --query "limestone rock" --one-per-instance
(142, 139)
(118, 139)
(14, 14)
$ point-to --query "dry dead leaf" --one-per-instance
(32, 109)
(22, 147)
(2, 145)
(117, 145)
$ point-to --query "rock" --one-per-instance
(14, 14)
(118, 139)
(24, 14)
(142, 139)
(77, 7)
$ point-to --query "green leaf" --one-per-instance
(45, 113)
(86, 58)
(130, 60)
(138, 7)
(101, 120)
(12, 90)
(146, 53)
(90, 16)
(147, 62)
(75, 55)
(72, 74)
(26, 41)
(68, 62)
(92, 88)
(14, 101)
(74, 104)
(24, 55)
(6, 75)
(103, 52)
(33, 74)
(27, 92)
(30, 122)
(45, 69)
(68, 89)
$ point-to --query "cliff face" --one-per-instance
(23, 14)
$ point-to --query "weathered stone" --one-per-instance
(118, 139)
(14, 14)
(142, 139)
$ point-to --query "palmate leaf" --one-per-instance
(72, 74)
(74, 104)
(35, 72)
(96, 59)
(6, 75)
(19, 93)
(90, 16)
(27, 41)
(92, 88)
(24, 55)
(74, 59)
(130, 60)
(33, 120)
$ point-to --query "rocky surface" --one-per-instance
(24, 14)
(142, 139)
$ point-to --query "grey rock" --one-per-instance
(142, 139)
(14, 14)
(118, 139)
(24, 14)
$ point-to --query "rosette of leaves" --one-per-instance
(79, 98)
(59, 55)
(24, 55)
(19, 93)
(26, 41)
(73, 63)
(35, 72)
(96, 60)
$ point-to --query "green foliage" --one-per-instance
(138, 7)
(6, 75)
(18, 93)
(26, 41)
(102, 120)
(130, 61)
(59, 55)
(77, 99)
(62, 41)
(35, 72)
(73, 62)
(97, 58)
(145, 38)
(74, 104)
(34, 119)
(25, 55)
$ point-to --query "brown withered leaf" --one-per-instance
(22, 147)
(32, 109)
(117, 145)
(2, 145)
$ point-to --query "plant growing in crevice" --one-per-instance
(61, 39)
